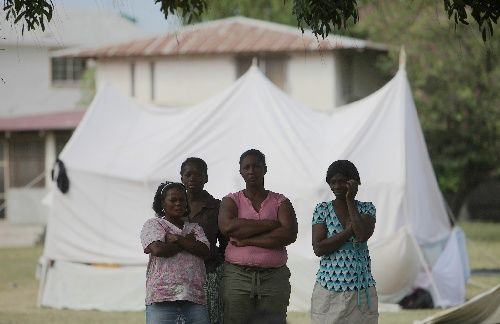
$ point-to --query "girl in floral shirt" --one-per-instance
(176, 269)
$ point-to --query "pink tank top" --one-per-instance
(253, 256)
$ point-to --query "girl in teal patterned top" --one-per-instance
(345, 290)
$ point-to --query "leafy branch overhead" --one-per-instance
(324, 16)
(321, 16)
(188, 9)
(32, 14)
(484, 12)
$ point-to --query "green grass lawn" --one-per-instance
(19, 288)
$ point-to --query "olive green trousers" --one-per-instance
(246, 290)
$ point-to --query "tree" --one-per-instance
(321, 16)
(278, 11)
(455, 79)
(324, 16)
(30, 13)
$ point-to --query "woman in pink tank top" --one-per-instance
(260, 224)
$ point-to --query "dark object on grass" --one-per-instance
(418, 299)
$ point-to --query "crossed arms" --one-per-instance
(176, 243)
(269, 234)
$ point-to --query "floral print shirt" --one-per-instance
(179, 277)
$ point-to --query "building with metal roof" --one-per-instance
(197, 61)
(41, 98)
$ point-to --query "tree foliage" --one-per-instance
(321, 16)
(325, 16)
(188, 9)
(30, 13)
(484, 12)
(455, 78)
(271, 10)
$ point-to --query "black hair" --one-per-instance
(345, 168)
(197, 161)
(160, 194)
(258, 154)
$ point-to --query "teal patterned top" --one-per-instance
(349, 267)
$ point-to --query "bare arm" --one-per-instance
(175, 244)
(234, 227)
(323, 245)
(162, 249)
(280, 237)
(362, 225)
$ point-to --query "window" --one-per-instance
(67, 69)
(27, 160)
(273, 66)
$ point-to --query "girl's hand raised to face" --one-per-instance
(352, 189)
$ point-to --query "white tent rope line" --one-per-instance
(426, 266)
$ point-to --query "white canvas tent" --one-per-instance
(121, 151)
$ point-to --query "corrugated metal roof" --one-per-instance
(230, 35)
(49, 121)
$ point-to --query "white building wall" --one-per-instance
(26, 86)
(116, 72)
(321, 81)
(187, 80)
(142, 81)
(311, 80)
(22, 66)
(177, 81)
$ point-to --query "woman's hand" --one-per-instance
(238, 243)
(190, 244)
(183, 239)
(171, 238)
(352, 189)
(348, 228)
(190, 236)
